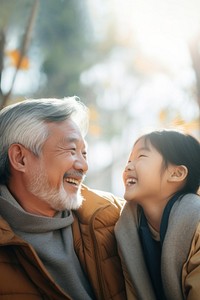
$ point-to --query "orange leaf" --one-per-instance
(14, 56)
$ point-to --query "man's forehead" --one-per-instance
(73, 138)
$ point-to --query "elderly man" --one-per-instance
(56, 235)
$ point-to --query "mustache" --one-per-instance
(75, 174)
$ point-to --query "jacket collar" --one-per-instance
(183, 220)
(131, 252)
(7, 236)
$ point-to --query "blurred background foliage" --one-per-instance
(136, 64)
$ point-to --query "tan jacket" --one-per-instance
(24, 277)
(180, 258)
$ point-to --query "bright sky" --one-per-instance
(161, 30)
(161, 27)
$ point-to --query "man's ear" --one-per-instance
(178, 174)
(17, 157)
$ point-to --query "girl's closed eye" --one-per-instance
(142, 155)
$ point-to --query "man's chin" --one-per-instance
(73, 201)
(77, 204)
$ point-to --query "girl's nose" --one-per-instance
(129, 166)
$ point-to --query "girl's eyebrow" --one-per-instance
(144, 148)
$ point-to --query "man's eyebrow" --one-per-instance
(67, 140)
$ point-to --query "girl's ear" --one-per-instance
(178, 174)
(17, 157)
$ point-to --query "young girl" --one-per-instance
(158, 232)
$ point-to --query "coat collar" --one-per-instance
(6, 234)
(183, 221)
(131, 252)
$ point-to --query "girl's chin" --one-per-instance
(129, 196)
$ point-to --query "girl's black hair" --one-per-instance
(179, 149)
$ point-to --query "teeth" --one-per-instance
(131, 181)
(72, 180)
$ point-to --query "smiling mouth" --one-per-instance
(73, 181)
(131, 181)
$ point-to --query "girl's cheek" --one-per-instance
(123, 178)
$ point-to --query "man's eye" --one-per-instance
(142, 155)
(84, 154)
(73, 150)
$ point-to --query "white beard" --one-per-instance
(58, 199)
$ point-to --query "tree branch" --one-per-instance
(24, 46)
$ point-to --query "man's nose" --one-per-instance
(81, 164)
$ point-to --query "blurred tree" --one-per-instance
(195, 55)
(17, 56)
(59, 45)
(63, 38)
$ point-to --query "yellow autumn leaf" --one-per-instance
(95, 130)
(14, 56)
(163, 115)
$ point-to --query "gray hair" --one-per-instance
(26, 123)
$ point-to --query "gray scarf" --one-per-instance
(53, 241)
(183, 221)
